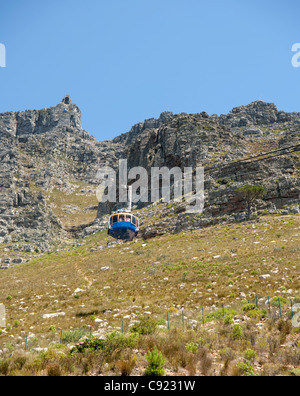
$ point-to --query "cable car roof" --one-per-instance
(124, 213)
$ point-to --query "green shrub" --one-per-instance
(54, 370)
(250, 355)
(72, 336)
(295, 372)
(91, 345)
(52, 329)
(228, 320)
(156, 363)
(114, 341)
(237, 332)
(249, 194)
(275, 301)
(257, 313)
(246, 369)
(248, 307)
(192, 347)
(117, 340)
(219, 314)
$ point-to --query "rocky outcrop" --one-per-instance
(40, 151)
(257, 113)
(224, 146)
(34, 122)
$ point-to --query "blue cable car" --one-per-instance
(123, 225)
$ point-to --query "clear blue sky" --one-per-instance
(123, 61)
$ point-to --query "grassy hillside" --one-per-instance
(100, 286)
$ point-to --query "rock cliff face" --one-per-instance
(46, 161)
(258, 113)
(34, 122)
(233, 149)
(48, 167)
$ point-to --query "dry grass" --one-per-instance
(165, 274)
(71, 207)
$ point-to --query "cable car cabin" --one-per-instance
(123, 226)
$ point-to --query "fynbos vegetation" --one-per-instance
(210, 293)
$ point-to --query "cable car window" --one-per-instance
(128, 219)
(133, 220)
(115, 219)
(121, 218)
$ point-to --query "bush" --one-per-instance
(205, 361)
(250, 193)
(228, 320)
(52, 329)
(227, 354)
(126, 366)
(247, 370)
(156, 363)
(295, 372)
(114, 341)
(249, 307)
(91, 345)
(219, 314)
(192, 347)
(237, 332)
(53, 370)
(144, 326)
(275, 301)
(18, 361)
(4, 367)
(250, 355)
(257, 313)
(72, 336)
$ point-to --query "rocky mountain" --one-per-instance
(233, 148)
(48, 167)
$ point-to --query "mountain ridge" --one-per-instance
(49, 166)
